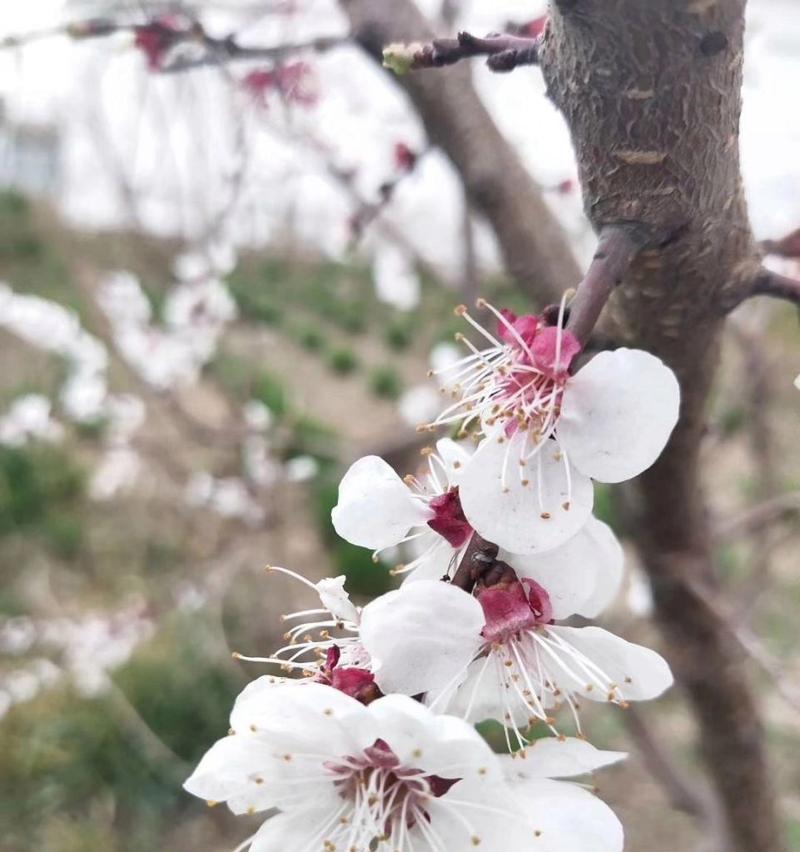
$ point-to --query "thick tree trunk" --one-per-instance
(651, 93)
(534, 247)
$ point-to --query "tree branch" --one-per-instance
(617, 247)
(654, 132)
(533, 244)
(682, 794)
(769, 283)
(788, 246)
(504, 52)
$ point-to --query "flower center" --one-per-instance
(449, 520)
(383, 792)
(517, 381)
(510, 608)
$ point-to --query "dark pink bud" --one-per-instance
(404, 157)
(332, 658)
(155, 38)
(565, 187)
(257, 83)
(298, 83)
(550, 357)
(449, 520)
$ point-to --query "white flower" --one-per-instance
(396, 280)
(498, 654)
(29, 418)
(346, 776)
(378, 509)
(339, 661)
(546, 433)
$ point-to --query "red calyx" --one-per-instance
(449, 520)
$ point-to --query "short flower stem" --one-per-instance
(618, 246)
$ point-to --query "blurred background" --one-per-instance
(223, 279)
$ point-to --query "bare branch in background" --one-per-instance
(784, 507)
(504, 52)
(682, 793)
(535, 249)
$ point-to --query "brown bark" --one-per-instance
(651, 93)
(534, 248)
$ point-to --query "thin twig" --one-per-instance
(788, 246)
(750, 645)
(780, 508)
(682, 794)
(504, 52)
(770, 283)
(221, 51)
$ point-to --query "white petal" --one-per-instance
(376, 509)
(441, 745)
(617, 414)
(437, 559)
(552, 757)
(581, 576)
(489, 812)
(300, 717)
(519, 517)
(639, 672)
(481, 696)
(289, 831)
(228, 769)
(567, 818)
(455, 457)
(335, 599)
(422, 636)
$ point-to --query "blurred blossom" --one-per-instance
(639, 596)
(99, 642)
(122, 299)
(190, 597)
(301, 468)
(419, 404)
(229, 497)
(396, 279)
(17, 634)
(117, 472)
(126, 413)
(54, 328)
(256, 415)
(194, 317)
(21, 685)
(5, 703)
(443, 356)
(199, 488)
(215, 258)
(259, 466)
(28, 418)
(294, 81)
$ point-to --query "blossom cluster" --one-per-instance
(368, 739)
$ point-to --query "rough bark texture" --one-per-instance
(651, 93)
(534, 247)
